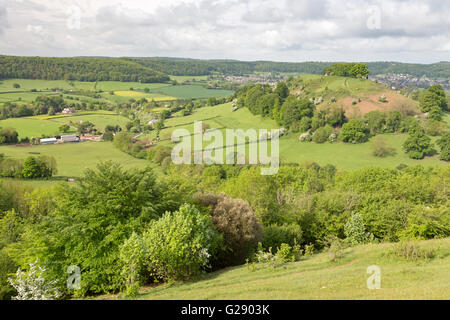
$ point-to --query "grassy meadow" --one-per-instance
(192, 91)
(318, 277)
(48, 125)
(73, 158)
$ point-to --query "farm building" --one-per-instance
(152, 122)
(70, 138)
(68, 110)
(48, 141)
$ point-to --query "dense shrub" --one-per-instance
(235, 220)
(410, 124)
(354, 131)
(322, 134)
(108, 136)
(355, 230)
(427, 223)
(180, 244)
(123, 141)
(7, 267)
(40, 167)
(444, 145)
(132, 256)
(8, 136)
(304, 124)
(418, 145)
(274, 235)
(435, 128)
(158, 154)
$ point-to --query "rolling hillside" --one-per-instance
(317, 277)
(342, 155)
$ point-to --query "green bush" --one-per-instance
(418, 145)
(322, 134)
(180, 244)
(108, 136)
(435, 128)
(410, 124)
(7, 267)
(274, 235)
(132, 255)
(355, 230)
(426, 223)
(304, 124)
(285, 253)
(444, 145)
(354, 131)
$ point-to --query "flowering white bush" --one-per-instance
(32, 285)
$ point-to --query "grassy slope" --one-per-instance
(344, 156)
(365, 93)
(316, 277)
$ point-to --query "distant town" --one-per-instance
(399, 81)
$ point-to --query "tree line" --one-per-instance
(80, 69)
(195, 67)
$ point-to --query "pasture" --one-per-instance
(192, 92)
(73, 158)
(48, 125)
(189, 78)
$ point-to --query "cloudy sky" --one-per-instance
(279, 30)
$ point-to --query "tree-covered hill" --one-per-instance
(81, 69)
(440, 70)
(192, 67)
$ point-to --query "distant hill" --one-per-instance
(81, 69)
(156, 69)
(193, 67)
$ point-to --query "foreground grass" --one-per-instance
(317, 277)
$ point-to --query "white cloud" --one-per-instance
(293, 30)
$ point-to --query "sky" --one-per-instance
(283, 30)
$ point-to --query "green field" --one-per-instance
(73, 158)
(116, 85)
(342, 155)
(192, 91)
(189, 78)
(158, 91)
(317, 277)
(39, 125)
